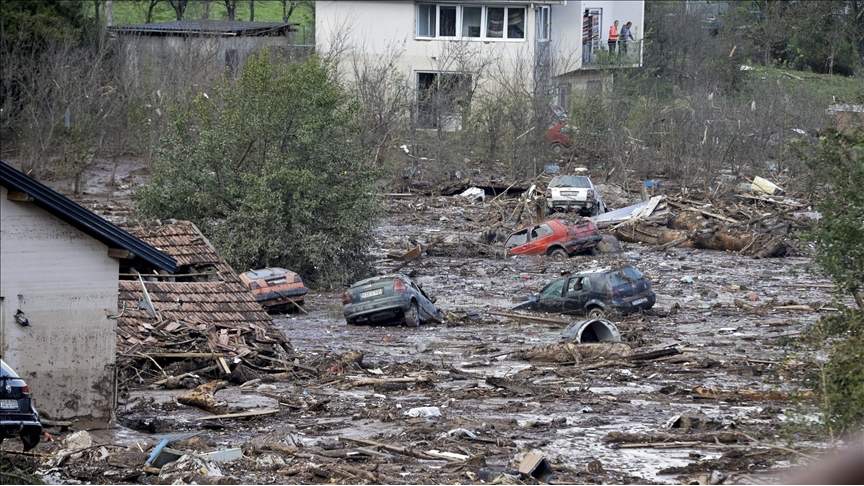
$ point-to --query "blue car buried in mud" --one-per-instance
(389, 299)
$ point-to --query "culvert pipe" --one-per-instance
(592, 331)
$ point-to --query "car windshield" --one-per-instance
(6, 371)
(517, 239)
(632, 273)
(554, 289)
(617, 279)
(580, 182)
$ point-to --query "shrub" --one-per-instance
(269, 168)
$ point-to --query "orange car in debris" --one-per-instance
(276, 289)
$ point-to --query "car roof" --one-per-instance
(594, 271)
(379, 278)
(267, 272)
(548, 221)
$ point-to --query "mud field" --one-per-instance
(724, 409)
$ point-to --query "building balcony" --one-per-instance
(598, 55)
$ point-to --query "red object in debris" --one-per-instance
(555, 135)
(275, 288)
(555, 238)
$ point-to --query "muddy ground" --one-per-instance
(593, 425)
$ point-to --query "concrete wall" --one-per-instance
(372, 29)
(66, 285)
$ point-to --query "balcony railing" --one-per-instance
(599, 55)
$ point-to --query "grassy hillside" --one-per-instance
(830, 88)
(135, 12)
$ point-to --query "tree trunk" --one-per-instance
(109, 13)
(251, 10)
(206, 14)
(231, 7)
(153, 4)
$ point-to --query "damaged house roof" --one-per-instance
(219, 315)
(84, 219)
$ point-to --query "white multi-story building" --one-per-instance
(559, 44)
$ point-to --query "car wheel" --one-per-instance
(351, 322)
(559, 255)
(557, 149)
(412, 315)
(596, 313)
(30, 439)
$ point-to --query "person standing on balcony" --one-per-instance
(625, 36)
(613, 37)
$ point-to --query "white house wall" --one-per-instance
(66, 285)
(372, 29)
(566, 27)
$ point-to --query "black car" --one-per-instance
(18, 417)
(389, 299)
(595, 293)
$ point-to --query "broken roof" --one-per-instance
(219, 316)
(83, 219)
(217, 28)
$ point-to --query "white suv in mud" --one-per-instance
(574, 192)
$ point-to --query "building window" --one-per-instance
(543, 23)
(495, 22)
(515, 23)
(471, 22)
(447, 21)
(426, 20)
(440, 99)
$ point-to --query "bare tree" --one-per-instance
(151, 5)
(384, 97)
(179, 7)
(231, 7)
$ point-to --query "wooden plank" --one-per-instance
(526, 317)
(182, 355)
(250, 413)
(19, 196)
(120, 253)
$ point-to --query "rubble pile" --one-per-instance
(171, 331)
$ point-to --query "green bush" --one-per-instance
(838, 164)
(843, 385)
(269, 168)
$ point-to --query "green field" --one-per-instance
(135, 11)
(830, 88)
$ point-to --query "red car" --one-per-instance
(555, 238)
(557, 136)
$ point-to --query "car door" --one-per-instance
(551, 297)
(427, 306)
(576, 294)
(541, 237)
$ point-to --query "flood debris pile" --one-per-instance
(200, 321)
(757, 225)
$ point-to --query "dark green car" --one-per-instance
(596, 293)
(389, 299)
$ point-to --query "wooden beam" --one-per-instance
(19, 196)
(120, 253)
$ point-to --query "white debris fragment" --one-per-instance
(425, 412)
